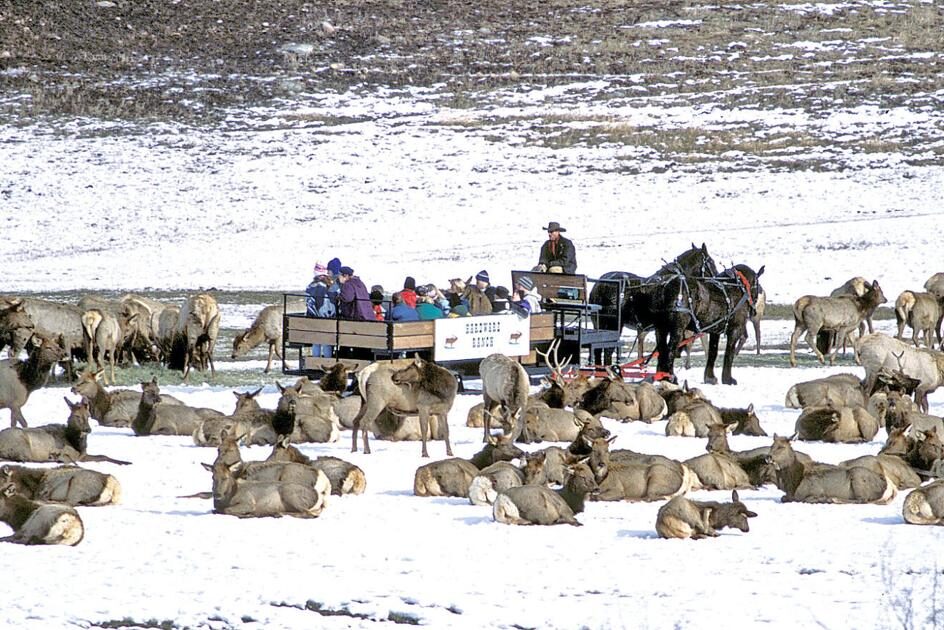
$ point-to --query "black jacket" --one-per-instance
(565, 256)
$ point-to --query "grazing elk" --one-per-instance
(878, 351)
(20, 378)
(922, 312)
(505, 385)
(266, 327)
(684, 518)
(63, 322)
(16, 327)
(72, 485)
(36, 523)
(421, 387)
(198, 326)
(539, 505)
(925, 505)
(839, 316)
(824, 483)
(104, 333)
(65, 443)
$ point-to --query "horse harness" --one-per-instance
(683, 303)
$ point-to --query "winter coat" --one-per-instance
(409, 297)
(561, 255)
(319, 301)
(426, 310)
(403, 313)
(354, 301)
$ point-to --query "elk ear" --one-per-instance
(749, 514)
(280, 386)
(97, 376)
(236, 394)
(750, 408)
(207, 466)
(734, 496)
(255, 393)
(70, 403)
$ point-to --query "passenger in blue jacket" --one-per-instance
(320, 303)
(400, 311)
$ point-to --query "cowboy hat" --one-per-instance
(554, 226)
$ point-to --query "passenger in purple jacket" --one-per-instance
(354, 299)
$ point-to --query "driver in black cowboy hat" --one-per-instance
(557, 254)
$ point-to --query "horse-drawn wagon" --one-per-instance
(461, 342)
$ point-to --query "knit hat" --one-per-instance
(376, 297)
(482, 276)
(526, 282)
(346, 271)
(334, 266)
(409, 283)
(320, 269)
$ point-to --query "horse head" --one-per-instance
(694, 262)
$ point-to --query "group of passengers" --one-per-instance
(336, 292)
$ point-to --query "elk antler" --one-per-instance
(557, 369)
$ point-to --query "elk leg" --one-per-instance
(797, 331)
(16, 416)
(486, 421)
(424, 428)
(445, 429)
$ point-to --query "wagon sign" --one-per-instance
(477, 337)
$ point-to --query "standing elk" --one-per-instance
(421, 387)
(20, 378)
(16, 327)
(36, 523)
(839, 316)
(104, 334)
(878, 351)
(922, 312)
(684, 518)
(505, 386)
(266, 327)
(198, 326)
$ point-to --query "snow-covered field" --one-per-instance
(394, 194)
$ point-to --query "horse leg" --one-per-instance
(729, 353)
(713, 341)
(666, 356)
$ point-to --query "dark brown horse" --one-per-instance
(714, 305)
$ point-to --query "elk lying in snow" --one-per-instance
(892, 466)
(539, 505)
(636, 477)
(744, 419)
(841, 390)
(829, 424)
(925, 506)
(753, 461)
(345, 477)
(684, 518)
(718, 469)
(421, 387)
(36, 523)
(611, 397)
(306, 417)
(839, 316)
(262, 498)
(545, 424)
(64, 443)
(248, 419)
(116, 408)
(693, 420)
(505, 386)
(878, 351)
(267, 327)
(924, 455)
(824, 483)
(155, 417)
(20, 378)
(72, 485)
(452, 477)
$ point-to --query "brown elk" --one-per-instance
(505, 386)
(20, 378)
(262, 498)
(266, 327)
(925, 505)
(831, 424)
(636, 477)
(198, 327)
(155, 417)
(684, 518)
(71, 485)
(539, 505)
(104, 334)
(839, 316)
(421, 387)
(116, 408)
(922, 312)
(36, 523)
(344, 477)
(824, 483)
(878, 351)
(842, 390)
(16, 327)
(718, 469)
(64, 443)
